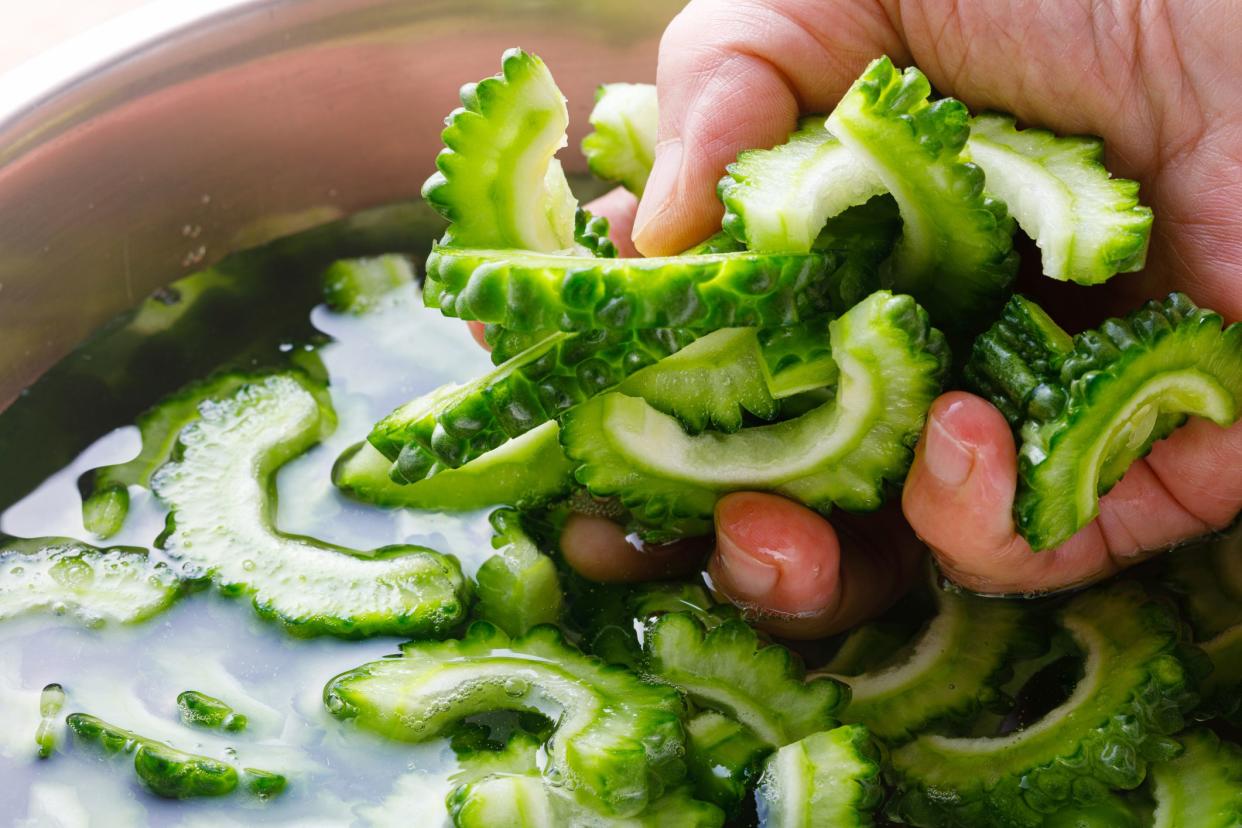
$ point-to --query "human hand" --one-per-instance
(1154, 80)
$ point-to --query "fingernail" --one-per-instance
(741, 574)
(661, 185)
(947, 459)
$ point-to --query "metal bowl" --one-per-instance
(156, 144)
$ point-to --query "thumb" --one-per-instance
(734, 75)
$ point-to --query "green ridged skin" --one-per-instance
(264, 784)
(356, 286)
(1202, 787)
(622, 146)
(166, 771)
(455, 424)
(729, 669)
(200, 710)
(524, 801)
(219, 489)
(1089, 226)
(119, 584)
(777, 200)
(51, 701)
(951, 672)
(827, 780)
(844, 452)
(497, 181)
(517, 588)
(1126, 385)
(724, 760)
(529, 291)
(591, 234)
(1130, 699)
(956, 252)
(618, 738)
(1016, 364)
(525, 472)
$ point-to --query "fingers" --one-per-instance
(959, 494)
(600, 550)
(477, 330)
(618, 206)
(788, 567)
(734, 75)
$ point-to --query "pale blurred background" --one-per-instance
(27, 27)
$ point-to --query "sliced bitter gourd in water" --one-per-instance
(517, 588)
(829, 779)
(121, 584)
(618, 739)
(221, 525)
(1201, 787)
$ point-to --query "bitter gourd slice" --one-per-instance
(165, 770)
(1130, 699)
(1090, 412)
(829, 779)
(530, 291)
(356, 286)
(955, 254)
(724, 759)
(119, 584)
(1112, 812)
(221, 525)
(1089, 226)
(51, 700)
(517, 588)
(778, 200)
(622, 146)
(618, 738)
(1202, 787)
(202, 710)
(524, 472)
(951, 671)
(497, 181)
(729, 669)
(591, 234)
(843, 452)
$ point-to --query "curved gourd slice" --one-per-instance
(356, 286)
(517, 588)
(842, 452)
(1130, 699)
(497, 181)
(729, 669)
(622, 146)
(778, 200)
(1202, 787)
(1089, 226)
(531, 291)
(956, 252)
(219, 491)
(827, 780)
(1089, 412)
(60, 575)
(723, 759)
(952, 670)
(526, 471)
(618, 739)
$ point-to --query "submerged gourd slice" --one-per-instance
(829, 779)
(526, 471)
(729, 669)
(952, 669)
(842, 452)
(724, 759)
(1130, 699)
(622, 146)
(219, 490)
(1089, 226)
(956, 252)
(497, 181)
(119, 584)
(778, 200)
(517, 588)
(1202, 787)
(1089, 412)
(356, 286)
(618, 739)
